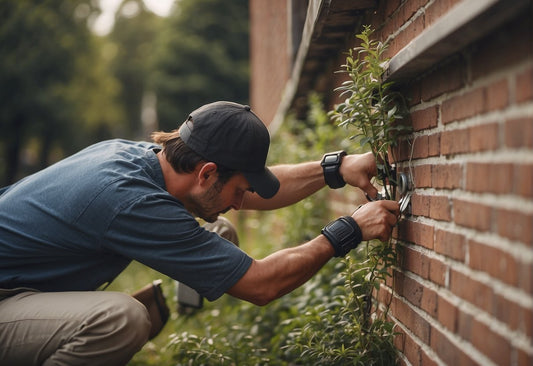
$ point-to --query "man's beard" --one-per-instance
(205, 205)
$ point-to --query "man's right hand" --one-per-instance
(377, 219)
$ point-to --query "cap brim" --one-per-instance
(264, 183)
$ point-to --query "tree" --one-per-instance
(202, 56)
(133, 35)
(51, 78)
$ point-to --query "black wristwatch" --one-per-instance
(331, 163)
(344, 235)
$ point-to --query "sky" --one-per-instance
(104, 23)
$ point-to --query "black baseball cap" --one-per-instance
(231, 135)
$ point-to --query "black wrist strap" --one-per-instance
(344, 235)
(331, 163)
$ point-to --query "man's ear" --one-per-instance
(207, 173)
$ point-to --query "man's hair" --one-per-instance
(182, 158)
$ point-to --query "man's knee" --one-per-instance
(131, 320)
(117, 328)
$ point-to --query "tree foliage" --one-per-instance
(202, 56)
(52, 83)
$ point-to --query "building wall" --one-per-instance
(270, 57)
(464, 286)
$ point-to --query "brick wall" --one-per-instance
(270, 58)
(464, 284)
(463, 288)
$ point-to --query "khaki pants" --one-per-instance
(71, 328)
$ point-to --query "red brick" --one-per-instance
(524, 86)
(417, 233)
(412, 351)
(446, 176)
(519, 132)
(495, 262)
(472, 215)
(512, 314)
(450, 244)
(420, 147)
(524, 359)
(414, 261)
(497, 95)
(515, 225)
(489, 177)
(425, 118)
(523, 180)
(420, 205)
(496, 347)
(407, 34)
(434, 144)
(422, 176)
(471, 290)
(463, 106)
(447, 351)
(455, 142)
(439, 208)
(412, 291)
(484, 137)
(426, 360)
(428, 302)
(437, 272)
(525, 278)
(447, 314)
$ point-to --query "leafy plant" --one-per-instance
(371, 106)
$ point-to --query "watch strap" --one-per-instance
(331, 163)
(344, 234)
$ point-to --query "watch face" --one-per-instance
(331, 159)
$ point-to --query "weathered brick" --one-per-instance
(497, 95)
(425, 118)
(524, 86)
(447, 314)
(472, 215)
(463, 106)
(484, 137)
(422, 176)
(428, 302)
(489, 177)
(437, 272)
(421, 147)
(450, 244)
(439, 208)
(446, 176)
(455, 142)
(434, 144)
(447, 351)
(420, 205)
(515, 225)
(475, 292)
(415, 262)
(523, 180)
(495, 262)
(495, 346)
(519, 132)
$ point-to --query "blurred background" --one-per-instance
(73, 72)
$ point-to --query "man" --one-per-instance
(73, 227)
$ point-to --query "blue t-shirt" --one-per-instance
(78, 223)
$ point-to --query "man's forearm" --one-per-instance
(283, 271)
(298, 181)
